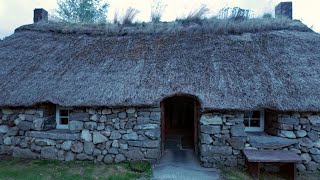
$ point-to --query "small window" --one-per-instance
(62, 117)
(254, 120)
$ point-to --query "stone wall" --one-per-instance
(98, 134)
(222, 136)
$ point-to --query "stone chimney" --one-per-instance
(284, 9)
(40, 15)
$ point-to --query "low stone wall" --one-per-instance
(98, 134)
(222, 136)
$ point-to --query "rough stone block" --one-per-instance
(306, 157)
(210, 129)
(5, 149)
(210, 120)
(134, 154)
(99, 138)
(4, 129)
(313, 135)
(153, 153)
(301, 133)
(66, 145)
(312, 166)
(38, 124)
(44, 142)
(145, 144)
(83, 156)
(316, 158)
(115, 135)
(306, 142)
(238, 130)
(77, 147)
(79, 116)
(153, 134)
(25, 125)
(237, 142)
(287, 134)
(53, 135)
(75, 126)
(86, 135)
(69, 156)
(146, 126)
(108, 159)
(122, 115)
(289, 120)
(90, 125)
(209, 150)
(270, 142)
(119, 158)
(315, 119)
(49, 153)
(205, 138)
(88, 147)
(23, 153)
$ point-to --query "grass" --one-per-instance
(16, 169)
(235, 174)
(212, 25)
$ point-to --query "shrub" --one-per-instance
(129, 16)
(195, 16)
(156, 10)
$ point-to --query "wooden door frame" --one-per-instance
(163, 126)
(196, 108)
(195, 126)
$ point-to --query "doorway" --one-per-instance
(179, 123)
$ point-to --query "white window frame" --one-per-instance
(257, 129)
(59, 125)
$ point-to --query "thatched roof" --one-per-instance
(276, 69)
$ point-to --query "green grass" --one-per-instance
(235, 174)
(15, 169)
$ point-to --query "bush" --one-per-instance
(156, 10)
(129, 16)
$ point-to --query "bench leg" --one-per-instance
(290, 170)
(254, 169)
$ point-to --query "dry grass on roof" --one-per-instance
(213, 25)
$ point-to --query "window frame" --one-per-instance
(257, 129)
(58, 117)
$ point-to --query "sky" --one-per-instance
(15, 13)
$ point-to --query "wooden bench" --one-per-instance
(285, 159)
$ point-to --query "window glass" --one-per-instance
(255, 123)
(64, 121)
(62, 117)
(252, 121)
(246, 122)
(64, 112)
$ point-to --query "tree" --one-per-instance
(82, 11)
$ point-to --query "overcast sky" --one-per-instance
(14, 13)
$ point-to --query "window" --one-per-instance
(254, 120)
(62, 117)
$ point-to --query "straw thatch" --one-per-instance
(267, 69)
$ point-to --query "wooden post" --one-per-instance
(254, 169)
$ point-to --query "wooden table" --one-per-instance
(285, 159)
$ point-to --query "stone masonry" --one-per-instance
(222, 136)
(97, 134)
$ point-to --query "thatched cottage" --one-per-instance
(85, 92)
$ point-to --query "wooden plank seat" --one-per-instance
(285, 159)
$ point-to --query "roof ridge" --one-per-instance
(216, 26)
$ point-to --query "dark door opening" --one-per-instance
(179, 124)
